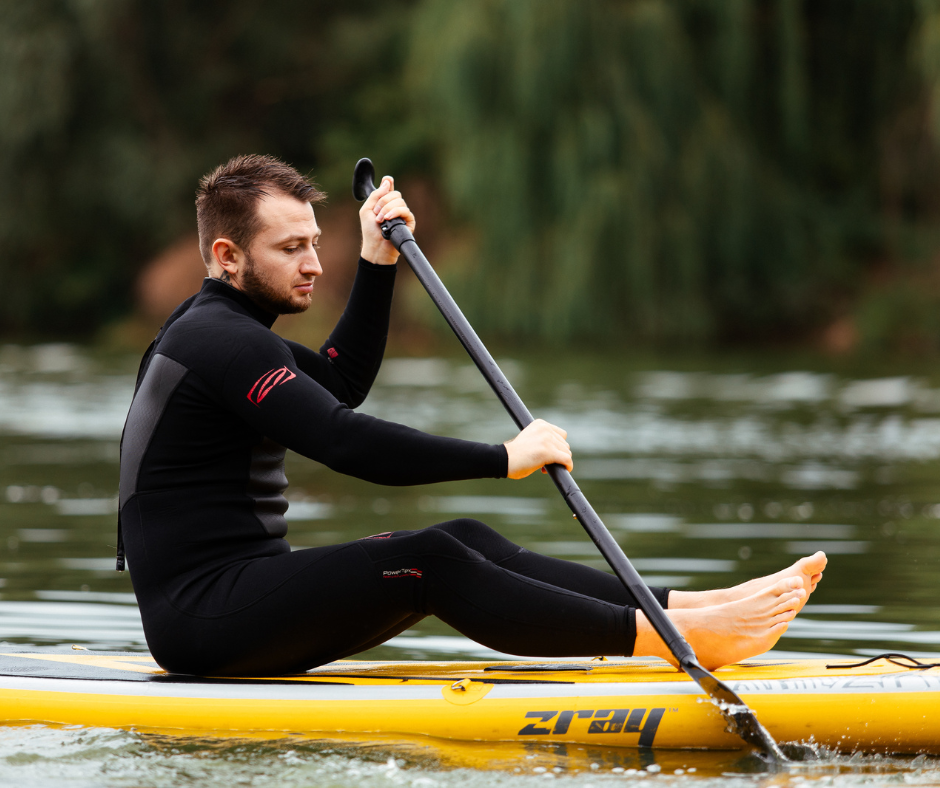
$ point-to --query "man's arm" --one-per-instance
(349, 360)
(263, 386)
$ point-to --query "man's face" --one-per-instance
(281, 261)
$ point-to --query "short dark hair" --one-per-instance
(227, 198)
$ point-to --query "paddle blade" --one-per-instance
(741, 720)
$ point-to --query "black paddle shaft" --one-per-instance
(742, 720)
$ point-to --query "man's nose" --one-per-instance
(311, 264)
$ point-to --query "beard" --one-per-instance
(263, 292)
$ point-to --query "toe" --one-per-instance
(795, 602)
(782, 588)
(789, 604)
(791, 584)
(778, 629)
(813, 564)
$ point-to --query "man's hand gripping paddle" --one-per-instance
(741, 720)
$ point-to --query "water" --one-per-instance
(707, 473)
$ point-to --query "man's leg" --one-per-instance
(603, 585)
(570, 575)
(292, 612)
(277, 615)
(727, 625)
(492, 605)
(521, 615)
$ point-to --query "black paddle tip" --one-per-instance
(363, 179)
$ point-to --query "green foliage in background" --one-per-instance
(110, 111)
(668, 169)
(655, 170)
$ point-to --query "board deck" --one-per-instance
(616, 702)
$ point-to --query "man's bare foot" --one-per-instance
(809, 570)
(729, 632)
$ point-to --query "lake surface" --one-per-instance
(708, 472)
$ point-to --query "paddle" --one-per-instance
(741, 719)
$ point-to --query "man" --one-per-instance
(219, 397)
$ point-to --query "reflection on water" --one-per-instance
(95, 756)
(97, 625)
(706, 477)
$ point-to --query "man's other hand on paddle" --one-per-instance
(384, 203)
(538, 445)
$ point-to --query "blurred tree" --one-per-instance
(110, 111)
(667, 170)
(673, 169)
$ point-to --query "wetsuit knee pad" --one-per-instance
(480, 537)
(427, 543)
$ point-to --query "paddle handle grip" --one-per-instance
(398, 233)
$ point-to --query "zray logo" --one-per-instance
(604, 721)
(268, 381)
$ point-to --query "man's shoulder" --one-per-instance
(211, 334)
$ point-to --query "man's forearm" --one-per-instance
(356, 346)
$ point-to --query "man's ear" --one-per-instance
(227, 255)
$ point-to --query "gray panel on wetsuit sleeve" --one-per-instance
(266, 484)
(162, 378)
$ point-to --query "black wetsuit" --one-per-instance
(219, 397)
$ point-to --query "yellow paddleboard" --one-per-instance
(618, 702)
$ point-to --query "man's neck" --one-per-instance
(259, 311)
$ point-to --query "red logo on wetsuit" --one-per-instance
(391, 574)
(268, 381)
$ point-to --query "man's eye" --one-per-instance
(290, 249)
